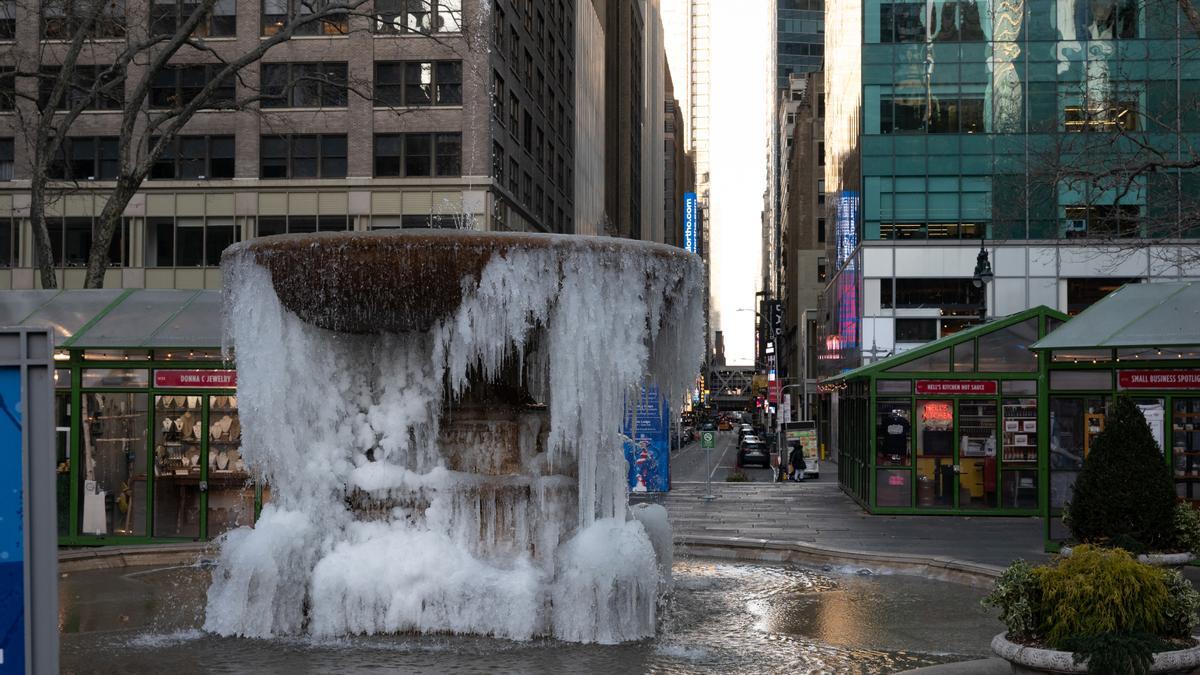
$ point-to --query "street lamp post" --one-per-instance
(983, 277)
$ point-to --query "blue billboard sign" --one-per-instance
(12, 525)
(648, 443)
(846, 225)
(691, 223)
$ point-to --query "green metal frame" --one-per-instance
(874, 373)
(76, 363)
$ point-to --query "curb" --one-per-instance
(768, 550)
(109, 557)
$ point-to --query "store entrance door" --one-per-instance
(937, 479)
(976, 453)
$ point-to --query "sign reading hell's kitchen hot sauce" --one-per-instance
(981, 387)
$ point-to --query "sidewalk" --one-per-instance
(817, 516)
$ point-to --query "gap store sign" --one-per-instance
(691, 222)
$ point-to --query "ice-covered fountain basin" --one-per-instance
(396, 281)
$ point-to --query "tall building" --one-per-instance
(453, 113)
(679, 177)
(803, 266)
(958, 129)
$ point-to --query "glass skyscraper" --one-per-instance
(1054, 132)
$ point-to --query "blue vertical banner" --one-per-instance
(691, 223)
(12, 525)
(648, 443)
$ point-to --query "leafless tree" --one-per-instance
(52, 86)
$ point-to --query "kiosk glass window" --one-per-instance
(935, 453)
(1006, 350)
(1185, 455)
(937, 362)
(230, 491)
(964, 357)
(178, 431)
(114, 464)
(1018, 488)
(977, 453)
(1074, 424)
(893, 432)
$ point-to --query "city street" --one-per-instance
(689, 464)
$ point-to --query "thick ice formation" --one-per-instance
(398, 502)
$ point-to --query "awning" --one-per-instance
(1135, 315)
(116, 319)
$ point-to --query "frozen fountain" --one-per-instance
(438, 416)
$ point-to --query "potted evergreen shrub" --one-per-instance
(1097, 611)
(1124, 496)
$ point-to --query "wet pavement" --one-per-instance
(722, 617)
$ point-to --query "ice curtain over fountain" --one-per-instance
(438, 415)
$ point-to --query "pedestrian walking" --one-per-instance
(796, 463)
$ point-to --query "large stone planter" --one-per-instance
(1152, 559)
(1027, 660)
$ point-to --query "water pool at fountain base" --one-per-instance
(722, 617)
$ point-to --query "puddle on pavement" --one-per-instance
(723, 617)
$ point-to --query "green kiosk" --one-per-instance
(148, 433)
(954, 426)
(1143, 341)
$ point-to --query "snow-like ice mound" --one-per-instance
(407, 494)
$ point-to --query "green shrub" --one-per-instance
(1017, 595)
(1125, 490)
(1099, 591)
(1182, 612)
(1187, 527)
(1116, 653)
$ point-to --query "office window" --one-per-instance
(176, 86)
(498, 163)
(514, 112)
(109, 89)
(498, 24)
(514, 174)
(304, 85)
(8, 242)
(303, 156)
(822, 269)
(268, 225)
(498, 97)
(85, 158)
(188, 242)
(820, 229)
(418, 16)
(6, 159)
(948, 294)
(8, 90)
(528, 129)
(71, 241)
(916, 330)
(419, 83)
(419, 154)
(63, 19)
(195, 158)
(278, 13)
(8, 19)
(166, 16)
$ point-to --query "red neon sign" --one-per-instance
(937, 411)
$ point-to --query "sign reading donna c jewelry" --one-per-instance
(1158, 379)
(199, 379)
(983, 387)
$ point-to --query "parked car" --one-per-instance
(744, 430)
(708, 425)
(753, 451)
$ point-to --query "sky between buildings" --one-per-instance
(740, 48)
